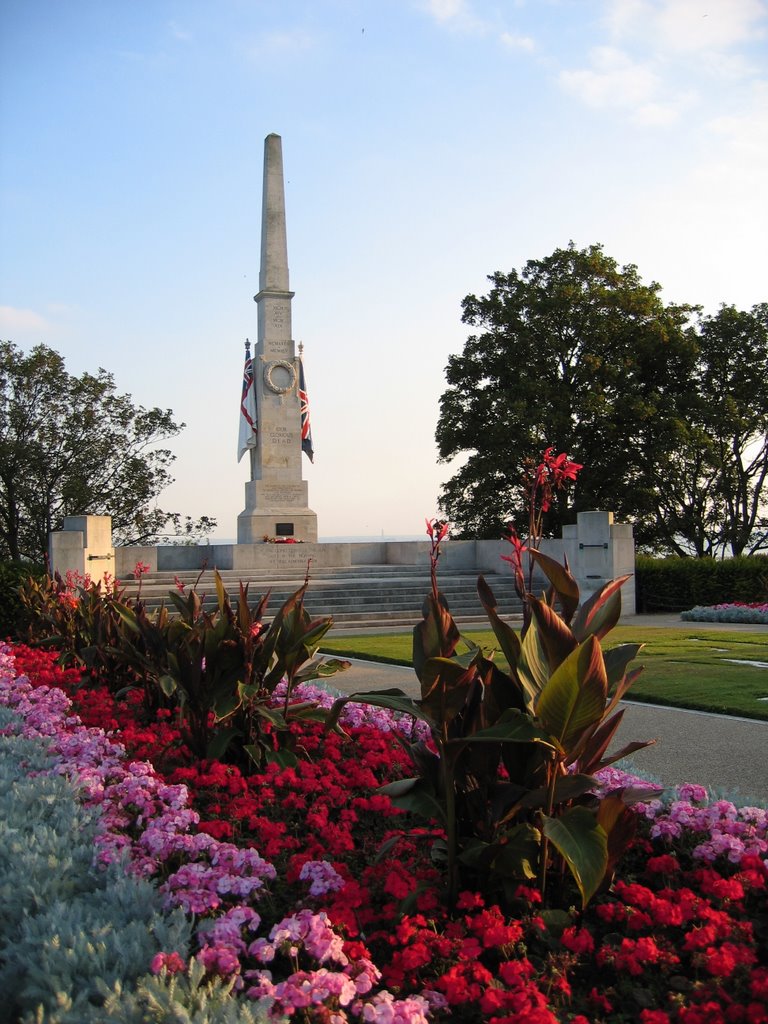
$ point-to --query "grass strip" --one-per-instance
(687, 668)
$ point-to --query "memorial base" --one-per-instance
(254, 526)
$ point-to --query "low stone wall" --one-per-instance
(597, 550)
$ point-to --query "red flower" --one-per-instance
(558, 467)
(437, 529)
(218, 829)
(578, 940)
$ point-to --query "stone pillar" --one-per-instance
(83, 545)
(598, 551)
(276, 497)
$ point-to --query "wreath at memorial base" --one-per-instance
(281, 540)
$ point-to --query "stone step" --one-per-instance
(376, 596)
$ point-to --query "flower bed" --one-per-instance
(734, 611)
(280, 870)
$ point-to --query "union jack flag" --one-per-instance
(306, 427)
(249, 435)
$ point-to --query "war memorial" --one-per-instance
(277, 531)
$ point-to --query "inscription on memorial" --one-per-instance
(281, 436)
(289, 555)
(275, 495)
(279, 315)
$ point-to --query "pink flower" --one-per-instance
(171, 962)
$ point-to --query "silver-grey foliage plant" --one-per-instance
(75, 942)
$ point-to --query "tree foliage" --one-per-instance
(72, 446)
(666, 409)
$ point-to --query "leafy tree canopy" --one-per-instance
(73, 446)
(666, 409)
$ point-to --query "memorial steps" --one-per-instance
(364, 596)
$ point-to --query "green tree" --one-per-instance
(711, 495)
(577, 353)
(73, 445)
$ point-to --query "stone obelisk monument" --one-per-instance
(276, 496)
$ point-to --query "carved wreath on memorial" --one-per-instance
(280, 376)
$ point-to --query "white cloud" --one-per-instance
(446, 10)
(741, 142)
(517, 42)
(613, 80)
(692, 26)
(661, 56)
(283, 43)
(178, 32)
(663, 113)
(457, 15)
(13, 320)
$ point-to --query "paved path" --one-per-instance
(727, 754)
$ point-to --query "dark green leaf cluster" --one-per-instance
(509, 775)
(12, 576)
(667, 410)
(219, 669)
(72, 446)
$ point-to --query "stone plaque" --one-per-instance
(283, 529)
(274, 494)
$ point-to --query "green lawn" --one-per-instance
(682, 667)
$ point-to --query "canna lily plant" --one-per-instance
(508, 775)
(218, 668)
(221, 669)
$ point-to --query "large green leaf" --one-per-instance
(575, 695)
(417, 796)
(617, 660)
(583, 845)
(226, 704)
(319, 668)
(594, 742)
(221, 594)
(272, 715)
(509, 642)
(500, 690)
(555, 637)
(566, 587)
(622, 686)
(127, 615)
(446, 684)
(601, 612)
(533, 666)
(620, 825)
(567, 787)
(517, 853)
(283, 758)
(437, 636)
(315, 632)
(512, 727)
(167, 685)
(217, 745)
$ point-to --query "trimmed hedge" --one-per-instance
(12, 575)
(677, 584)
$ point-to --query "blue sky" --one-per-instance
(426, 144)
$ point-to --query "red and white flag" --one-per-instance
(306, 427)
(249, 434)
